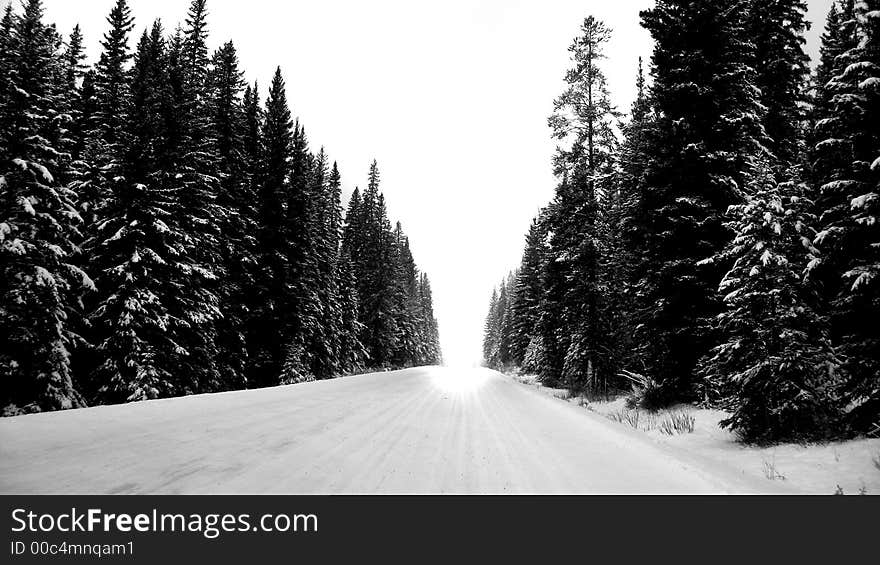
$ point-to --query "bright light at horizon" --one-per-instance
(459, 381)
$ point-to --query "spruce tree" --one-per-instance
(431, 334)
(41, 286)
(492, 333)
(847, 169)
(583, 122)
(237, 197)
(352, 355)
(106, 127)
(192, 172)
(140, 245)
(707, 128)
(775, 369)
(266, 341)
(526, 301)
(776, 28)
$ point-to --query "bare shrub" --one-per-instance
(630, 417)
(677, 423)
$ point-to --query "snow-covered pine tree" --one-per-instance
(238, 197)
(775, 369)
(847, 168)
(408, 340)
(707, 125)
(73, 70)
(776, 28)
(139, 247)
(505, 346)
(491, 333)
(105, 124)
(352, 230)
(433, 354)
(372, 251)
(266, 339)
(329, 228)
(621, 237)
(551, 327)
(40, 286)
(251, 146)
(191, 170)
(583, 123)
(352, 355)
(302, 307)
(5, 47)
(319, 294)
(526, 301)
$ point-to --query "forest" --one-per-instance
(164, 231)
(720, 243)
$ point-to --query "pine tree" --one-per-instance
(214, 235)
(847, 169)
(583, 119)
(352, 355)
(192, 172)
(526, 301)
(405, 288)
(140, 245)
(302, 306)
(106, 129)
(266, 336)
(6, 38)
(71, 103)
(431, 334)
(372, 249)
(776, 27)
(41, 286)
(237, 197)
(775, 367)
(707, 128)
(492, 333)
(622, 238)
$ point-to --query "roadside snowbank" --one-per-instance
(846, 467)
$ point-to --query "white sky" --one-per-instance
(451, 97)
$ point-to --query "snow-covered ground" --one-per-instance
(429, 430)
(847, 467)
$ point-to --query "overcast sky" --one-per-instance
(451, 97)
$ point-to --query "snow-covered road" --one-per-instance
(429, 430)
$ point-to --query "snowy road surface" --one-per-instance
(429, 430)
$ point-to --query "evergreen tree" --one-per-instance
(214, 236)
(622, 238)
(352, 355)
(237, 197)
(526, 301)
(192, 172)
(266, 336)
(430, 333)
(303, 333)
(41, 286)
(583, 119)
(847, 169)
(707, 128)
(374, 252)
(776, 27)
(71, 104)
(775, 367)
(106, 128)
(492, 333)
(140, 245)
